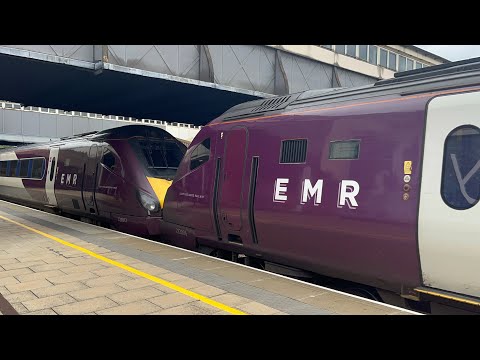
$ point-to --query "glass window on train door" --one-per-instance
(52, 169)
(460, 187)
(200, 154)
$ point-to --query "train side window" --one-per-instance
(23, 165)
(344, 150)
(200, 154)
(3, 168)
(13, 168)
(30, 168)
(460, 187)
(38, 166)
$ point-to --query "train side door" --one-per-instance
(90, 179)
(51, 175)
(231, 199)
(448, 230)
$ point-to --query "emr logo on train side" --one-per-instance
(70, 180)
(347, 190)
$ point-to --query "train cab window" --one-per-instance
(23, 165)
(344, 150)
(200, 154)
(13, 168)
(460, 187)
(38, 166)
(3, 168)
(108, 160)
(160, 156)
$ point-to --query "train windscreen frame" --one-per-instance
(160, 157)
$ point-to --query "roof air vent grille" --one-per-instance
(271, 104)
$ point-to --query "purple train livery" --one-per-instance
(113, 177)
(375, 185)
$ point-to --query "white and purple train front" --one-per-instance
(117, 176)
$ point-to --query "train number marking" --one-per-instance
(181, 231)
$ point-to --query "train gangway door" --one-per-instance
(90, 179)
(448, 227)
(231, 180)
(51, 176)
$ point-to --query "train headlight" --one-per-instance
(148, 202)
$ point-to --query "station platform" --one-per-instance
(51, 265)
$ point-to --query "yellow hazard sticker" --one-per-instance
(407, 167)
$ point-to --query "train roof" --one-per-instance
(121, 132)
(125, 132)
(433, 78)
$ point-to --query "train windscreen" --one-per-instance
(161, 158)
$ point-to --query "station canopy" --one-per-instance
(115, 90)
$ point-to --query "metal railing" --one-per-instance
(8, 105)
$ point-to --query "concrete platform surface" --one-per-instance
(54, 265)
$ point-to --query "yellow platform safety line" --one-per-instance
(143, 274)
(471, 302)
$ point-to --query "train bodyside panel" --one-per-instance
(105, 177)
(370, 239)
(189, 201)
(68, 178)
(115, 180)
(449, 211)
(120, 178)
(22, 174)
